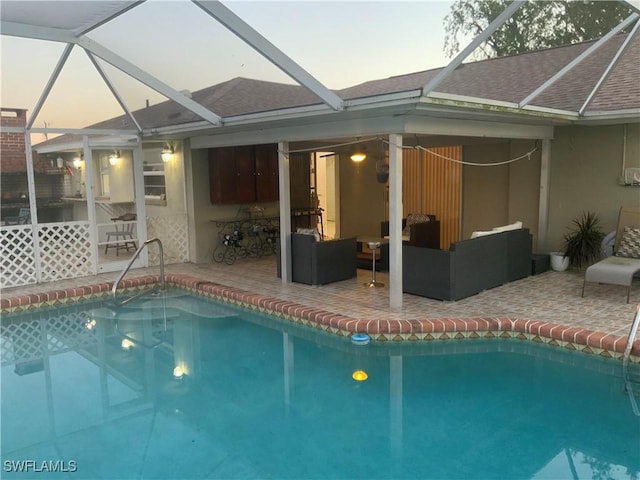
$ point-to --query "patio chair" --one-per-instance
(320, 262)
(123, 234)
(620, 268)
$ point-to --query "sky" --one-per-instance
(340, 43)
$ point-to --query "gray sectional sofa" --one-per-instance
(468, 267)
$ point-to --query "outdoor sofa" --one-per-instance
(469, 266)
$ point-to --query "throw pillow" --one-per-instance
(630, 243)
(412, 219)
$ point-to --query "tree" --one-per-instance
(536, 25)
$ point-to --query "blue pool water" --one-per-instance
(267, 400)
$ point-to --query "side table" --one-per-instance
(373, 283)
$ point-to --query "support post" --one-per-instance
(395, 221)
(543, 206)
(285, 210)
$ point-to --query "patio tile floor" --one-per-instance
(550, 297)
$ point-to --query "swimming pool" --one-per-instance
(90, 391)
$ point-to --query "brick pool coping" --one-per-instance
(424, 329)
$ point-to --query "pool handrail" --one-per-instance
(632, 335)
(625, 362)
(133, 259)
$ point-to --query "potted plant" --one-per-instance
(582, 244)
(559, 262)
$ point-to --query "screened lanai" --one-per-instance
(503, 108)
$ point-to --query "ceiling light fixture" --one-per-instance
(358, 156)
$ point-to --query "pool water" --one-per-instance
(263, 399)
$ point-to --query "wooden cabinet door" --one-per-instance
(245, 175)
(266, 157)
(300, 180)
(222, 175)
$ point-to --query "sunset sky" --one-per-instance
(340, 43)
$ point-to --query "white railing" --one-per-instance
(114, 289)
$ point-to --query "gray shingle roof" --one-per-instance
(513, 78)
(508, 79)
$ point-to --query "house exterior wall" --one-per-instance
(121, 178)
(12, 144)
(204, 229)
(485, 190)
(174, 183)
(362, 205)
(524, 187)
(503, 194)
(205, 213)
(586, 166)
(167, 218)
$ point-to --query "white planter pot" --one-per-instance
(559, 262)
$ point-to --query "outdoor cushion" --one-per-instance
(630, 243)
(505, 228)
(413, 219)
(310, 231)
(483, 233)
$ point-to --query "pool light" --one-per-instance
(178, 372)
(359, 375)
(90, 324)
(360, 339)
(126, 344)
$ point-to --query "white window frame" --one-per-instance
(152, 159)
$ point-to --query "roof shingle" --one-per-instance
(506, 79)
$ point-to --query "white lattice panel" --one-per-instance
(65, 250)
(173, 232)
(22, 341)
(70, 331)
(17, 256)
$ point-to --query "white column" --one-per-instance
(395, 221)
(138, 188)
(187, 167)
(33, 208)
(285, 211)
(543, 205)
(90, 198)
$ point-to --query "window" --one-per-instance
(104, 175)
(154, 180)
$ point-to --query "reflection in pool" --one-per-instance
(181, 387)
